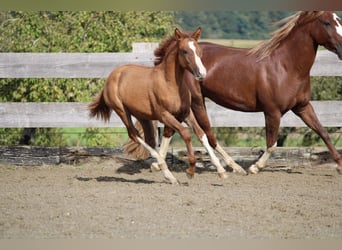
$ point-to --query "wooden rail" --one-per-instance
(98, 65)
(51, 114)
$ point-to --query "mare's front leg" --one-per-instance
(307, 114)
(200, 113)
(192, 123)
(272, 122)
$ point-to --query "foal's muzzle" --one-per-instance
(199, 74)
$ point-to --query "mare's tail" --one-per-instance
(136, 150)
(99, 108)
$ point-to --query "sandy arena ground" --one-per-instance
(108, 197)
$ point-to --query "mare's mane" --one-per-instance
(265, 48)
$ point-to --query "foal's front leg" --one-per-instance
(173, 124)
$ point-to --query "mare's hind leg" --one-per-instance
(307, 114)
(200, 113)
(272, 127)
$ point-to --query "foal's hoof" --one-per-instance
(223, 175)
(175, 182)
(155, 167)
(240, 171)
(253, 169)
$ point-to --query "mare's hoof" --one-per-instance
(223, 175)
(253, 169)
(190, 175)
(339, 170)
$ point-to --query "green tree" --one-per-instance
(67, 31)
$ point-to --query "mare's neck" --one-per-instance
(299, 50)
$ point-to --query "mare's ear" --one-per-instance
(196, 35)
(178, 34)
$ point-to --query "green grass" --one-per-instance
(234, 42)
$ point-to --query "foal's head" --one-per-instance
(327, 31)
(189, 53)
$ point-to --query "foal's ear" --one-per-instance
(178, 34)
(196, 35)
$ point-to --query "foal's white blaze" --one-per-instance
(338, 24)
(198, 60)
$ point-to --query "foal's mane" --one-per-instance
(265, 48)
(164, 47)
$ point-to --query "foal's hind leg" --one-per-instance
(164, 145)
(133, 134)
(162, 164)
(149, 133)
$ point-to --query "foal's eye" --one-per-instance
(184, 52)
(326, 23)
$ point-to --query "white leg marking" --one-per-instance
(202, 69)
(261, 163)
(338, 24)
(164, 145)
(213, 157)
(163, 166)
(230, 162)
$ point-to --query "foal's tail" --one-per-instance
(99, 108)
(135, 149)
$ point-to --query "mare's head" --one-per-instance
(327, 31)
(188, 52)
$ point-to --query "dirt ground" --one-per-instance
(110, 197)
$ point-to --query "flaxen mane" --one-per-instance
(265, 48)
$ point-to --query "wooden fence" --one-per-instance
(98, 65)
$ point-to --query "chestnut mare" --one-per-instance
(158, 93)
(273, 77)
